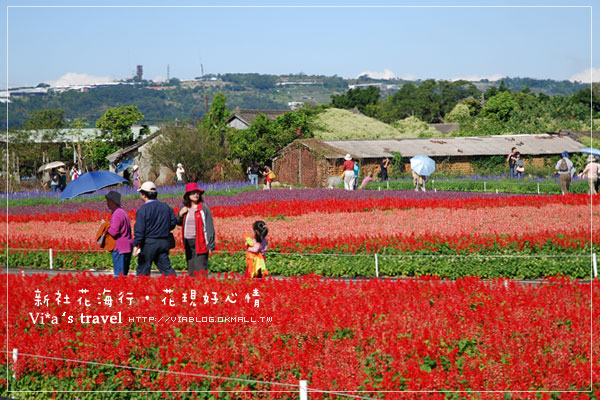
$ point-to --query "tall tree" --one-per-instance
(115, 124)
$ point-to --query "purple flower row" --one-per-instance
(252, 197)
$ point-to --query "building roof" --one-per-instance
(457, 146)
(71, 134)
(317, 145)
(247, 116)
(117, 155)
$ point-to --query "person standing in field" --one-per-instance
(198, 231)
(120, 229)
(136, 177)
(566, 170)
(384, 165)
(154, 222)
(591, 173)
(348, 172)
(256, 249)
(356, 173)
(179, 174)
(510, 160)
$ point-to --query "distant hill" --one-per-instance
(185, 100)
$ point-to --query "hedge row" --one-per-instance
(518, 265)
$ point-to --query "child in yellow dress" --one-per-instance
(256, 248)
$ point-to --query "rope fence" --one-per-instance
(302, 387)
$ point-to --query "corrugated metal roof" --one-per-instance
(458, 146)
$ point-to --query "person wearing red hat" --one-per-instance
(198, 231)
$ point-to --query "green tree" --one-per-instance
(115, 125)
(459, 113)
(501, 106)
(46, 119)
(359, 98)
(216, 120)
(197, 148)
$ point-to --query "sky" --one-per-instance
(67, 44)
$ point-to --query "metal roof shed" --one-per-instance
(458, 146)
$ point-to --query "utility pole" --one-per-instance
(204, 88)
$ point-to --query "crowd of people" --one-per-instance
(151, 238)
(564, 168)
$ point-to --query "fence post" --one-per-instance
(496, 191)
(303, 390)
(50, 258)
(484, 187)
(376, 266)
(538, 188)
(15, 358)
(595, 265)
(388, 184)
(379, 188)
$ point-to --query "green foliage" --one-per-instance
(414, 127)
(264, 137)
(46, 119)
(489, 165)
(199, 149)
(525, 185)
(459, 113)
(500, 107)
(337, 124)
(257, 81)
(115, 125)
(484, 263)
(359, 98)
(397, 164)
(429, 102)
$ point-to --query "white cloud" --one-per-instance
(386, 74)
(584, 77)
(409, 77)
(75, 79)
(475, 78)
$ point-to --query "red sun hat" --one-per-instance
(193, 187)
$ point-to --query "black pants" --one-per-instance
(196, 262)
(157, 251)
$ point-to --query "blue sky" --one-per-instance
(77, 45)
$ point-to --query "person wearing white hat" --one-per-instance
(154, 222)
(590, 172)
(348, 173)
(179, 173)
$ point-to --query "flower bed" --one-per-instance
(428, 335)
(402, 225)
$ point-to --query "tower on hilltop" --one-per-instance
(139, 72)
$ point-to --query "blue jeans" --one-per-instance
(121, 263)
(254, 180)
(511, 173)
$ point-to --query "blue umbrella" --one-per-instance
(123, 165)
(590, 150)
(422, 165)
(90, 182)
